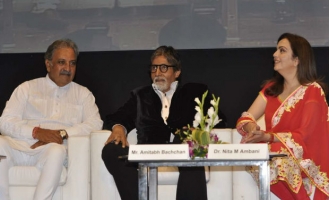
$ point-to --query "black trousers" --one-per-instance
(191, 182)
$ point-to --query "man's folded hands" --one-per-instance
(46, 136)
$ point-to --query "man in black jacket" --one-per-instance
(156, 111)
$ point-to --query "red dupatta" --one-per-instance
(300, 122)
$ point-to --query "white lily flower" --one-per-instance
(197, 117)
(204, 123)
(197, 100)
(216, 120)
(195, 123)
(209, 121)
(211, 111)
(212, 121)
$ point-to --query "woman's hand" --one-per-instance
(257, 136)
(251, 127)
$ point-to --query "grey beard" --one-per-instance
(161, 86)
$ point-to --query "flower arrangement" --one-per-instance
(199, 136)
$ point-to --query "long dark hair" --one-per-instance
(306, 68)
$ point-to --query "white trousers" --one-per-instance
(48, 159)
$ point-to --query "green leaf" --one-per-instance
(201, 137)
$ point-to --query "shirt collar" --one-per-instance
(169, 93)
(53, 84)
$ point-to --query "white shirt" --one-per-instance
(40, 102)
(169, 96)
(166, 99)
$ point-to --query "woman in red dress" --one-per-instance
(297, 121)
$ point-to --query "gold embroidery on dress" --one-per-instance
(289, 168)
(289, 103)
(323, 95)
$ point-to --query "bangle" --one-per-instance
(243, 128)
(244, 125)
(271, 138)
(34, 132)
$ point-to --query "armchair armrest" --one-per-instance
(78, 179)
(103, 185)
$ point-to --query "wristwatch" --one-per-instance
(63, 134)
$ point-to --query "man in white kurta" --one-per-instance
(40, 115)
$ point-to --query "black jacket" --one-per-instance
(143, 112)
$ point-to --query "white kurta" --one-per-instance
(40, 102)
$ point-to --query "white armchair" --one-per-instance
(219, 178)
(75, 178)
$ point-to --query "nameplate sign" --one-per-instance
(238, 151)
(158, 152)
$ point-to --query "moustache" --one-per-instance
(64, 72)
(158, 78)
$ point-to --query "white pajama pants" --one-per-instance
(48, 159)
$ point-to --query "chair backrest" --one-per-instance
(132, 136)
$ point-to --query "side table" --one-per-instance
(152, 190)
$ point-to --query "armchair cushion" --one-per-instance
(75, 178)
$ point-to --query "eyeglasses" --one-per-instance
(163, 68)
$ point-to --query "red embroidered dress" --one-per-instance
(301, 124)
